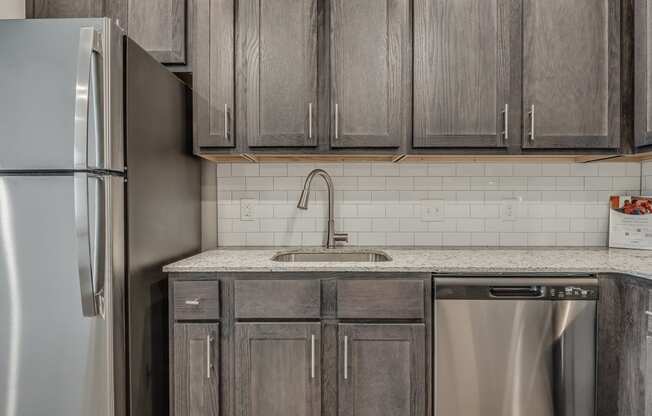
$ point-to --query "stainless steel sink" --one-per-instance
(332, 256)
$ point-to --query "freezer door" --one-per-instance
(514, 357)
(61, 101)
(54, 360)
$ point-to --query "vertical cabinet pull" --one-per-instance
(506, 122)
(337, 127)
(310, 120)
(531, 113)
(226, 121)
(346, 357)
(209, 365)
(312, 356)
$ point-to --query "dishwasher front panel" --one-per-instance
(514, 357)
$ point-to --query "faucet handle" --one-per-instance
(340, 238)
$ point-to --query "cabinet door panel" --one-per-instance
(462, 72)
(277, 72)
(371, 86)
(278, 369)
(45, 9)
(196, 371)
(213, 77)
(385, 370)
(571, 75)
(643, 73)
(159, 26)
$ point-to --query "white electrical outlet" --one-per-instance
(432, 210)
(247, 209)
(509, 209)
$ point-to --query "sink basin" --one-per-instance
(332, 256)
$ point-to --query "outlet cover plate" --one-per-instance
(432, 210)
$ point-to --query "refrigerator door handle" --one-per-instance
(91, 227)
(89, 42)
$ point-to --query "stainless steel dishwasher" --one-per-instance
(515, 346)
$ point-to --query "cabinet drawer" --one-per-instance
(380, 299)
(277, 299)
(198, 299)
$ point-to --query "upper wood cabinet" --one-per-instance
(158, 26)
(213, 77)
(571, 74)
(370, 50)
(43, 9)
(276, 79)
(643, 73)
(464, 92)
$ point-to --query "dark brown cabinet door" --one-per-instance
(643, 73)
(159, 27)
(382, 370)
(43, 9)
(278, 369)
(463, 89)
(213, 76)
(196, 371)
(371, 89)
(571, 74)
(276, 81)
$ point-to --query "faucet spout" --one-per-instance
(332, 237)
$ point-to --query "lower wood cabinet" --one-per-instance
(277, 370)
(286, 344)
(383, 370)
(196, 369)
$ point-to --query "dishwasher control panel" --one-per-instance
(502, 288)
(572, 292)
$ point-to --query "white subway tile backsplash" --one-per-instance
(245, 169)
(646, 180)
(555, 169)
(381, 203)
(440, 169)
(273, 169)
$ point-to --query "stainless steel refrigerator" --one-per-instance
(98, 189)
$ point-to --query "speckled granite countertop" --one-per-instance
(436, 259)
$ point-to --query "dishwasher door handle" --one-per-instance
(516, 291)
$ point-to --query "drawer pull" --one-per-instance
(648, 313)
(193, 302)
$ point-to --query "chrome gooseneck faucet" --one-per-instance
(333, 237)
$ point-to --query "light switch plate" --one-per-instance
(432, 210)
(247, 210)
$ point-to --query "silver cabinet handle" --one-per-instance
(506, 122)
(648, 313)
(531, 113)
(226, 121)
(193, 302)
(312, 356)
(310, 120)
(337, 127)
(346, 357)
(209, 365)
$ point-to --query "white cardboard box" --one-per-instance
(630, 222)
